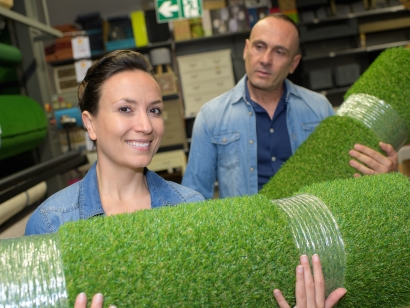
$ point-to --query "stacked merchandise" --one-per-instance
(61, 49)
(92, 23)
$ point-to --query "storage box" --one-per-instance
(340, 28)
(287, 5)
(232, 19)
(174, 133)
(310, 3)
(139, 28)
(8, 4)
(167, 80)
(346, 75)
(320, 79)
(182, 30)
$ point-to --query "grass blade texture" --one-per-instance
(233, 252)
(325, 154)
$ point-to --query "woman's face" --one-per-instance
(129, 125)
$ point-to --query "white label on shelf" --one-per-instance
(81, 68)
(81, 47)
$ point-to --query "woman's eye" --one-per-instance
(124, 109)
(155, 111)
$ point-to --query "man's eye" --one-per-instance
(124, 109)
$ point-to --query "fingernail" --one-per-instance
(304, 258)
(99, 297)
(81, 296)
(315, 257)
(299, 269)
(112, 306)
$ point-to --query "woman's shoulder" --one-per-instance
(57, 209)
(189, 194)
(165, 192)
(62, 200)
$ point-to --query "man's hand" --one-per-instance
(371, 161)
(310, 292)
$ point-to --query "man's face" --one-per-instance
(270, 54)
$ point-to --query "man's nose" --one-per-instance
(266, 58)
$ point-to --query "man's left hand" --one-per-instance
(371, 161)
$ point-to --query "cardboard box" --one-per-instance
(8, 4)
(287, 5)
(182, 30)
(214, 4)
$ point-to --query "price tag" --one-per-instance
(81, 47)
(81, 68)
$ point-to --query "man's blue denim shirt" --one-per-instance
(224, 142)
(81, 200)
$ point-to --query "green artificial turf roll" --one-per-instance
(324, 156)
(23, 124)
(373, 215)
(388, 79)
(222, 253)
(230, 252)
(9, 55)
(375, 109)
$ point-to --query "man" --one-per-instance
(242, 137)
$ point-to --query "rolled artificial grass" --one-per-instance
(233, 252)
(325, 155)
(9, 55)
(23, 124)
(373, 217)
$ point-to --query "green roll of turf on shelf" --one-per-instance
(23, 124)
(376, 108)
(9, 55)
(230, 252)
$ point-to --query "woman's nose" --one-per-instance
(142, 123)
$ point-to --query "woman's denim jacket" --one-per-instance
(224, 144)
(81, 200)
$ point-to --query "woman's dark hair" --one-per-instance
(89, 90)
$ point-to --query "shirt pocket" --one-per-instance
(228, 149)
(310, 126)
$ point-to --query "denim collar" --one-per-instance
(239, 92)
(90, 202)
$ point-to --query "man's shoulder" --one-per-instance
(308, 96)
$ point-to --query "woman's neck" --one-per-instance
(122, 190)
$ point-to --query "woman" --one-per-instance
(121, 105)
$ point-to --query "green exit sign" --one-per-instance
(168, 10)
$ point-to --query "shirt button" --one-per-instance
(271, 130)
(251, 141)
(273, 158)
(250, 113)
(251, 169)
(224, 140)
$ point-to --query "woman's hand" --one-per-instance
(97, 302)
(310, 292)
